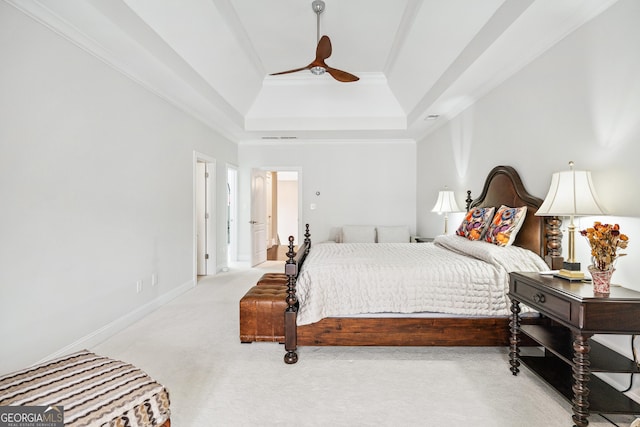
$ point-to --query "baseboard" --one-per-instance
(633, 394)
(243, 257)
(619, 344)
(621, 382)
(100, 335)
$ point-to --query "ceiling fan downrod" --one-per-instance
(318, 8)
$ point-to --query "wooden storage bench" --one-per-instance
(262, 314)
(92, 390)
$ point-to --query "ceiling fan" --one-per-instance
(323, 51)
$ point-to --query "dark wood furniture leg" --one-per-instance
(514, 353)
(581, 375)
(290, 343)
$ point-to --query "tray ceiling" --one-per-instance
(415, 58)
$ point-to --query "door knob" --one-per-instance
(253, 222)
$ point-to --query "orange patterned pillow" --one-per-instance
(475, 223)
(505, 225)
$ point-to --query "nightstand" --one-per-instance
(570, 355)
(423, 239)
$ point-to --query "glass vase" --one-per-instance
(601, 280)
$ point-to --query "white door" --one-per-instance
(201, 218)
(258, 216)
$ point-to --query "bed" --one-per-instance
(443, 327)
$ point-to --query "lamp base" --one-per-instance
(571, 266)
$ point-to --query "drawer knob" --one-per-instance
(539, 298)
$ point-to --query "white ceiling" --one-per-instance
(415, 58)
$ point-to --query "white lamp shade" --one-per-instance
(446, 202)
(571, 193)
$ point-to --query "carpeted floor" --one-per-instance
(191, 345)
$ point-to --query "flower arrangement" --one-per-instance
(605, 241)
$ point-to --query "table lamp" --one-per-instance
(571, 193)
(446, 203)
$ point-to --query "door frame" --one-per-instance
(202, 217)
(211, 209)
(232, 216)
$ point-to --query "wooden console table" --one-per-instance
(570, 355)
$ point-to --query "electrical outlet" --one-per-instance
(154, 279)
(139, 286)
(635, 423)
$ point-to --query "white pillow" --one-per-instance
(394, 234)
(358, 234)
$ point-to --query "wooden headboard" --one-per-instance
(503, 186)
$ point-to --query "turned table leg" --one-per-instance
(514, 325)
(581, 375)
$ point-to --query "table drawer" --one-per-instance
(541, 300)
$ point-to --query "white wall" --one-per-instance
(580, 101)
(371, 183)
(96, 184)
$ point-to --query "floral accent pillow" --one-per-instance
(475, 223)
(505, 225)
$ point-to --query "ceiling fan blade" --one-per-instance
(291, 71)
(342, 76)
(323, 51)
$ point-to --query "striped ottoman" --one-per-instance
(93, 391)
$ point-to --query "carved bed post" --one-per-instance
(307, 237)
(291, 268)
(291, 312)
(468, 200)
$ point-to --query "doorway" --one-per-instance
(283, 213)
(204, 172)
(275, 212)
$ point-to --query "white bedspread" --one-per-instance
(453, 275)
